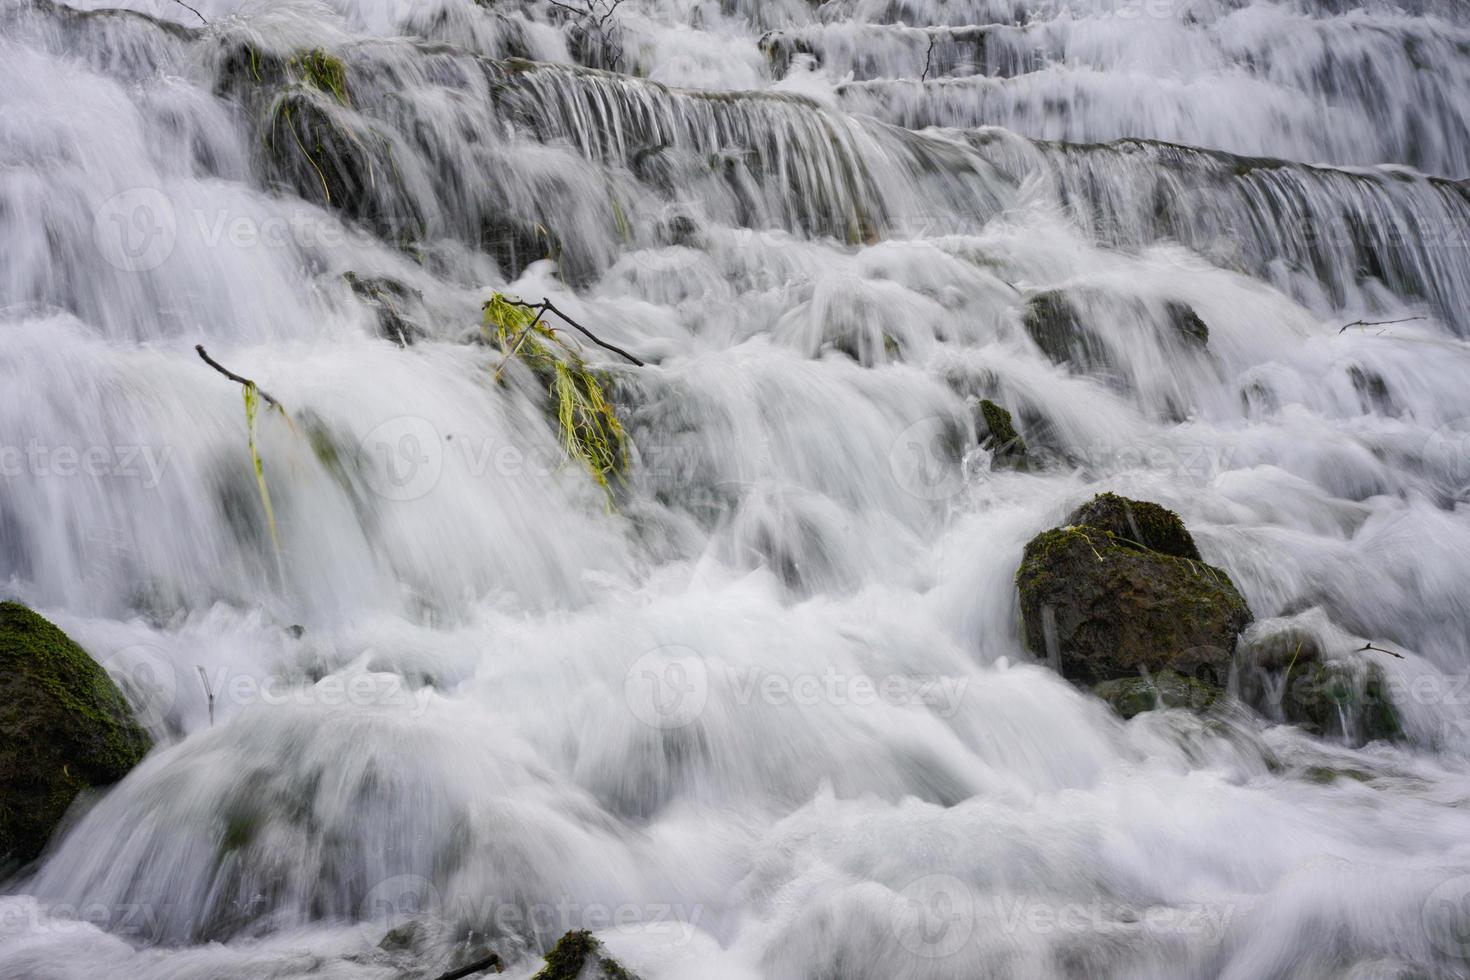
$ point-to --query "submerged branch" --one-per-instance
(546, 306)
(469, 970)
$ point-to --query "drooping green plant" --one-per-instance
(252, 408)
(589, 428)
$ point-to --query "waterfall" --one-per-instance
(761, 708)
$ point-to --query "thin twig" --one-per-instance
(238, 379)
(196, 13)
(547, 306)
(933, 38)
(208, 691)
(1369, 646)
(1379, 323)
(479, 966)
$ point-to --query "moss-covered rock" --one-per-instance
(64, 728)
(1286, 674)
(998, 433)
(1131, 696)
(579, 956)
(1103, 605)
(1138, 523)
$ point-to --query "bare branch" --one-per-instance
(239, 379)
(1379, 323)
(196, 13)
(547, 306)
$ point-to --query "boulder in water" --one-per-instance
(64, 728)
(1286, 674)
(1120, 592)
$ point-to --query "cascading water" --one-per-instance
(763, 710)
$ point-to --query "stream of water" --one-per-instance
(763, 711)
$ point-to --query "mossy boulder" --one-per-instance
(1101, 604)
(998, 433)
(579, 956)
(64, 728)
(1139, 522)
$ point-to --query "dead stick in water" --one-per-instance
(1379, 323)
(547, 305)
(238, 379)
(478, 966)
(1369, 646)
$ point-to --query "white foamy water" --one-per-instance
(765, 712)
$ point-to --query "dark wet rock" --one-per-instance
(1286, 674)
(579, 956)
(1187, 324)
(389, 298)
(998, 433)
(1102, 605)
(1373, 394)
(1054, 323)
(64, 728)
(1131, 696)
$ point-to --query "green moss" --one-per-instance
(1138, 523)
(64, 727)
(323, 72)
(574, 953)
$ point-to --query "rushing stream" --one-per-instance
(763, 709)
